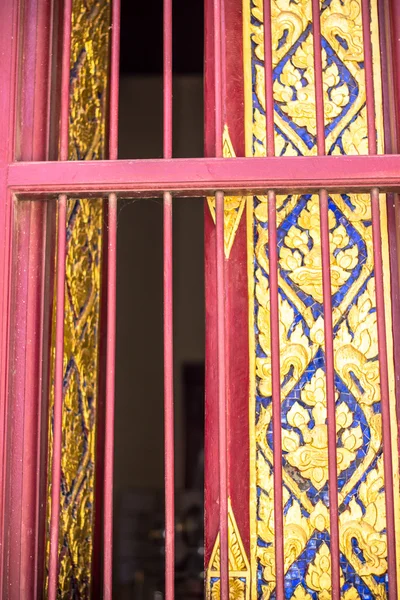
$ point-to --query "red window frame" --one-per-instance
(27, 175)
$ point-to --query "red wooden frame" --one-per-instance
(197, 176)
(23, 179)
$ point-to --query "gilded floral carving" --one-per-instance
(300, 255)
(301, 318)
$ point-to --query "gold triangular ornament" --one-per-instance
(233, 206)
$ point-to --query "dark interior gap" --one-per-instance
(139, 503)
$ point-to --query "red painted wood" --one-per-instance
(195, 176)
(111, 310)
(26, 491)
(9, 17)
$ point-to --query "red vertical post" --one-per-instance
(380, 311)
(169, 458)
(328, 324)
(220, 289)
(274, 315)
(111, 311)
(60, 299)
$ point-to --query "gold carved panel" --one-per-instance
(361, 484)
(85, 222)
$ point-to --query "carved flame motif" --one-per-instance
(301, 254)
(311, 456)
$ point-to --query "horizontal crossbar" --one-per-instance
(203, 176)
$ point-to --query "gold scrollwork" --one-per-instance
(87, 126)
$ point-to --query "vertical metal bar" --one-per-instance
(58, 399)
(169, 458)
(319, 88)
(274, 314)
(60, 299)
(221, 366)
(222, 404)
(369, 78)
(268, 80)
(327, 301)
(110, 396)
(111, 310)
(380, 311)
(384, 384)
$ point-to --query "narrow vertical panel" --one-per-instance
(276, 398)
(222, 404)
(111, 311)
(169, 457)
(169, 463)
(274, 314)
(369, 77)
(59, 317)
(327, 308)
(220, 290)
(82, 474)
(384, 384)
(380, 310)
(110, 396)
(330, 395)
(58, 399)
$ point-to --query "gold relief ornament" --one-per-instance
(311, 457)
(364, 520)
(233, 205)
(318, 575)
(87, 126)
(239, 567)
(295, 88)
(301, 254)
(356, 349)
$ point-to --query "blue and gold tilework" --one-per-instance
(361, 485)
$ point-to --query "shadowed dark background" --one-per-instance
(141, 40)
(139, 475)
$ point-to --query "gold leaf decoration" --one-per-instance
(233, 205)
(87, 129)
(239, 568)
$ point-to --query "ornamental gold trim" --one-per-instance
(239, 567)
(233, 205)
